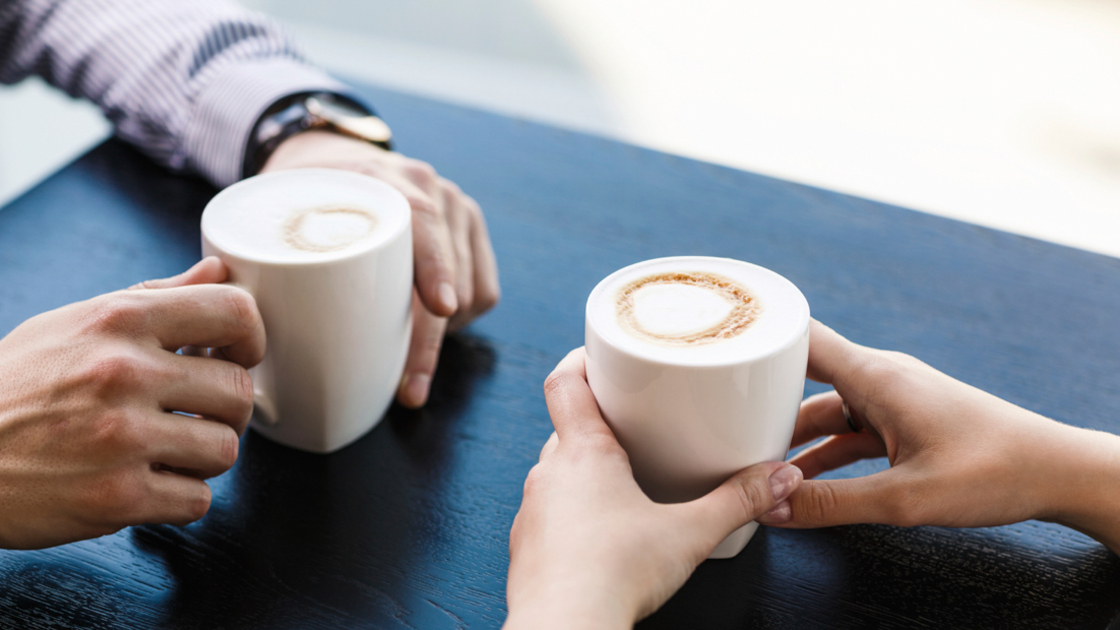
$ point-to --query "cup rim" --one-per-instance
(325, 259)
(802, 327)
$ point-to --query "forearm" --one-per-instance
(1085, 493)
(183, 81)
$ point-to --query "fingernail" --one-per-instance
(415, 388)
(778, 514)
(783, 481)
(447, 296)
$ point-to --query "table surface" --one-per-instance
(407, 528)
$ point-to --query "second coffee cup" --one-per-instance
(327, 255)
(698, 365)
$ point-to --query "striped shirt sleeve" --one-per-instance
(185, 81)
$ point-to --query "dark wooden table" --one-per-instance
(408, 527)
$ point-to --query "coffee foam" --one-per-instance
(327, 228)
(686, 308)
(308, 215)
(696, 310)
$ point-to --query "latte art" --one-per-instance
(686, 308)
(327, 228)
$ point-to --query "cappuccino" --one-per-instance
(286, 220)
(697, 310)
(698, 365)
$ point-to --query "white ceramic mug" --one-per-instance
(690, 421)
(338, 323)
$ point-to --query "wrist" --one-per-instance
(1085, 490)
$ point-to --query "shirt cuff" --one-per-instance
(230, 104)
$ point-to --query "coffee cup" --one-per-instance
(327, 254)
(698, 365)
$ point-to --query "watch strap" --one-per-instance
(293, 115)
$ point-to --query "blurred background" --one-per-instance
(1004, 113)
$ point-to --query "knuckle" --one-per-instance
(117, 432)
(419, 172)
(199, 504)
(880, 370)
(451, 188)
(486, 298)
(556, 383)
(816, 505)
(754, 497)
(242, 387)
(117, 499)
(228, 445)
(533, 481)
(242, 309)
(195, 505)
(424, 207)
(114, 373)
(119, 312)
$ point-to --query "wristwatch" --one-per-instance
(303, 112)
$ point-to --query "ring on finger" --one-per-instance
(848, 416)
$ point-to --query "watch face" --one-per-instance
(351, 120)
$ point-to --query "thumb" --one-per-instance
(824, 503)
(741, 499)
(210, 270)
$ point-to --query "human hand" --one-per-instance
(456, 273)
(959, 457)
(588, 549)
(88, 440)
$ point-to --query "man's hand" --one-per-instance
(89, 441)
(588, 549)
(456, 273)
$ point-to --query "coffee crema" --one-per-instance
(686, 308)
(328, 228)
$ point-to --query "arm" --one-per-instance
(187, 82)
(183, 81)
(959, 457)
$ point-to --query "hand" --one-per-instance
(588, 548)
(88, 440)
(959, 457)
(456, 273)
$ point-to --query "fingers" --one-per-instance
(204, 315)
(174, 499)
(209, 270)
(841, 363)
(432, 246)
(821, 414)
(570, 402)
(459, 224)
(740, 500)
(423, 355)
(219, 390)
(837, 451)
(824, 503)
(193, 446)
(486, 287)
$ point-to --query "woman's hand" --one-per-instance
(959, 457)
(456, 273)
(588, 548)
